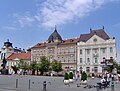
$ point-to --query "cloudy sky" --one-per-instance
(27, 22)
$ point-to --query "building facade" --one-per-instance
(57, 49)
(7, 50)
(15, 58)
(92, 48)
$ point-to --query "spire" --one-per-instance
(7, 40)
(103, 27)
(55, 28)
(90, 30)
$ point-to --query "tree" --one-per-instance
(66, 76)
(109, 68)
(56, 66)
(33, 67)
(71, 75)
(84, 76)
(15, 68)
(23, 65)
(44, 65)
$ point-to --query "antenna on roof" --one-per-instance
(103, 27)
(90, 30)
(7, 40)
(55, 27)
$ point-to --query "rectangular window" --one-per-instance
(62, 51)
(87, 69)
(58, 51)
(80, 60)
(66, 49)
(95, 69)
(80, 51)
(103, 50)
(95, 50)
(111, 49)
(96, 60)
(88, 60)
(88, 51)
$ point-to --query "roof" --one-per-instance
(67, 41)
(54, 36)
(24, 56)
(99, 32)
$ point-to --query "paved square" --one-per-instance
(8, 83)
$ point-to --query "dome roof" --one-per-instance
(54, 36)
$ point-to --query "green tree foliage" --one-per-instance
(84, 76)
(56, 66)
(71, 75)
(23, 65)
(109, 68)
(33, 67)
(66, 76)
(15, 68)
(44, 65)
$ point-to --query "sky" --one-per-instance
(28, 22)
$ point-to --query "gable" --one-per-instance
(95, 39)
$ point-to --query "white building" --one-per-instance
(8, 50)
(92, 48)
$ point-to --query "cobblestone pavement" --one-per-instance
(35, 83)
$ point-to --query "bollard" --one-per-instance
(29, 83)
(112, 86)
(44, 86)
(16, 83)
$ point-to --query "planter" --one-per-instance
(84, 82)
(66, 82)
(71, 80)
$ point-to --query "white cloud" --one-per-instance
(24, 20)
(9, 28)
(59, 12)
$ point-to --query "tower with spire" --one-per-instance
(54, 37)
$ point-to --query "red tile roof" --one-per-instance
(24, 56)
(67, 41)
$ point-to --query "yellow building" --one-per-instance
(55, 48)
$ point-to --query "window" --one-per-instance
(95, 69)
(87, 69)
(58, 51)
(62, 59)
(50, 51)
(80, 51)
(66, 49)
(80, 60)
(95, 50)
(62, 51)
(88, 51)
(103, 50)
(71, 50)
(96, 60)
(111, 49)
(88, 60)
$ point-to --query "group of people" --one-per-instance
(107, 77)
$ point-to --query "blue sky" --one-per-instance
(27, 22)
